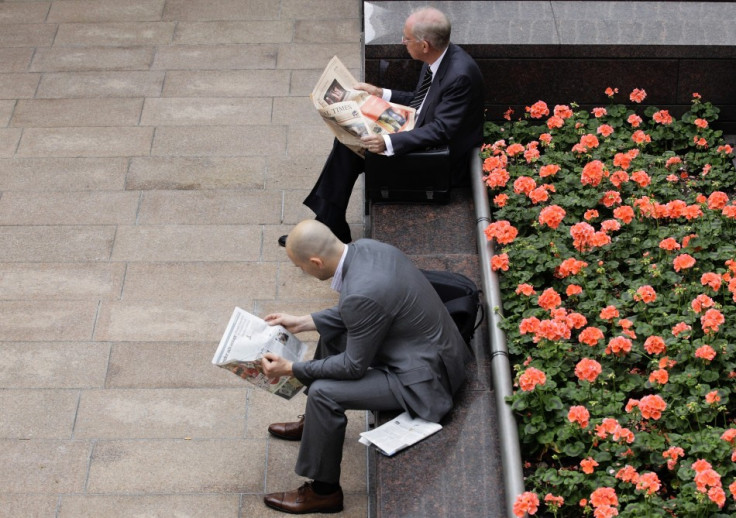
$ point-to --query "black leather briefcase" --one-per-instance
(420, 176)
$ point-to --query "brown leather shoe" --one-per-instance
(305, 500)
(288, 431)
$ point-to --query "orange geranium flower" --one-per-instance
(701, 123)
(640, 137)
(497, 178)
(604, 496)
(680, 327)
(712, 320)
(589, 140)
(605, 130)
(539, 195)
(652, 406)
(645, 294)
(588, 369)
(638, 95)
(515, 149)
(712, 397)
(525, 289)
(641, 178)
(619, 345)
(625, 213)
(729, 435)
(592, 173)
(701, 302)
(649, 482)
(500, 262)
(573, 289)
(548, 170)
(683, 262)
(524, 185)
(588, 465)
(669, 244)
(555, 122)
(502, 231)
(529, 325)
(538, 110)
(530, 378)
(549, 299)
(611, 198)
(634, 120)
(599, 112)
(563, 110)
(609, 313)
(500, 200)
(551, 216)
(582, 234)
(717, 200)
(662, 117)
(673, 453)
(553, 501)
(527, 502)
(655, 345)
(580, 415)
(628, 474)
(569, 266)
(660, 376)
(590, 336)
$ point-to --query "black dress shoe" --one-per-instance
(305, 500)
(282, 240)
(288, 431)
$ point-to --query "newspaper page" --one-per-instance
(352, 114)
(399, 433)
(246, 339)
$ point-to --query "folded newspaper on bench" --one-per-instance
(352, 114)
(399, 433)
(246, 339)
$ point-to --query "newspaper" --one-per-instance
(399, 433)
(246, 339)
(352, 114)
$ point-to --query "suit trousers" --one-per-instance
(330, 195)
(320, 452)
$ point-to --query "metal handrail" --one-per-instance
(500, 367)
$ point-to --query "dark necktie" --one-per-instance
(422, 92)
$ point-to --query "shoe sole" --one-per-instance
(330, 510)
(285, 437)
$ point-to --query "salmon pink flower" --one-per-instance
(673, 453)
(604, 496)
(637, 95)
(652, 406)
(634, 120)
(590, 214)
(515, 149)
(611, 198)
(649, 482)
(683, 261)
(555, 122)
(579, 414)
(628, 474)
(573, 289)
(549, 299)
(669, 244)
(588, 465)
(500, 262)
(599, 112)
(551, 216)
(569, 266)
(611, 91)
(592, 173)
(590, 336)
(701, 123)
(605, 130)
(679, 328)
(624, 213)
(539, 195)
(582, 235)
(645, 294)
(712, 320)
(497, 178)
(641, 178)
(609, 313)
(529, 325)
(588, 370)
(717, 200)
(619, 346)
(717, 495)
(546, 138)
(701, 302)
(610, 225)
(662, 117)
(729, 435)
(673, 161)
(538, 110)
(639, 137)
(660, 376)
(655, 345)
(524, 185)
(590, 141)
(548, 170)
(706, 478)
(527, 502)
(525, 289)
(500, 200)
(553, 501)
(712, 397)
(530, 378)
(701, 465)
(563, 110)
(502, 231)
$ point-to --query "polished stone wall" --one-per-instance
(571, 51)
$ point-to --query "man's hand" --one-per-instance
(374, 143)
(367, 87)
(290, 322)
(274, 366)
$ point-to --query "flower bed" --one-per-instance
(615, 240)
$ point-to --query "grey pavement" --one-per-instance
(151, 152)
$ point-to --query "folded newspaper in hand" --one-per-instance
(246, 339)
(352, 114)
(399, 433)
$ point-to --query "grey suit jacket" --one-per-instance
(391, 318)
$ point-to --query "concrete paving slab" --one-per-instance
(191, 111)
(114, 34)
(213, 57)
(15, 59)
(286, 172)
(69, 208)
(223, 32)
(309, 139)
(27, 34)
(47, 113)
(65, 59)
(47, 320)
(209, 207)
(6, 110)
(61, 281)
(62, 174)
(206, 10)
(18, 86)
(219, 141)
(321, 30)
(57, 365)
(85, 142)
(30, 506)
(58, 243)
(321, 9)
(187, 243)
(202, 466)
(227, 83)
(159, 414)
(196, 173)
(100, 84)
(177, 321)
(315, 56)
(28, 12)
(105, 11)
(199, 281)
(168, 365)
(37, 414)
(123, 506)
(9, 138)
(48, 466)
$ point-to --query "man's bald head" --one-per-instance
(431, 25)
(313, 247)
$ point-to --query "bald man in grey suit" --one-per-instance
(389, 344)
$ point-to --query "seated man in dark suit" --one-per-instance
(449, 100)
(389, 344)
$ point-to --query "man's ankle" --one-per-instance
(324, 488)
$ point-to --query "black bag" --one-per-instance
(461, 298)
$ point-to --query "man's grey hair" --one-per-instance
(432, 26)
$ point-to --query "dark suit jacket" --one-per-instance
(453, 109)
(393, 320)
